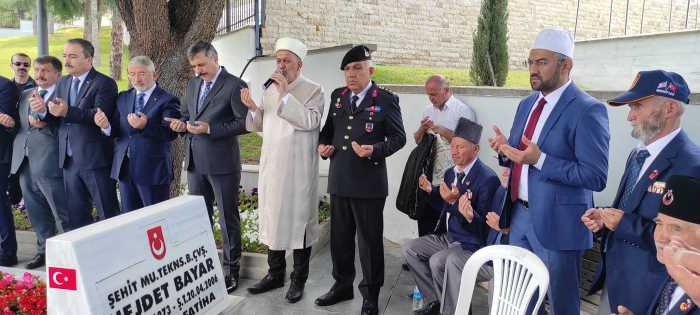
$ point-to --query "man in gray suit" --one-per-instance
(212, 118)
(35, 157)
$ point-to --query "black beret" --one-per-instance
(468, 130)
(682, 198)
(357, 53)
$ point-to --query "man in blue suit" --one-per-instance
(656, 108)
(558, 154)
(8, 128)
(462, 199)
(676, 233)
(85, 153)
(142, 162)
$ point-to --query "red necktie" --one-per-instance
(529, 130)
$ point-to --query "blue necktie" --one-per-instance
(140, 102)
(74, 92)
(635, 167)
(665, 298)
(203, 95)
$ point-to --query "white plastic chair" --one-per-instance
(518, 273)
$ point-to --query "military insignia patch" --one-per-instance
(369, 127)
(657, 188)
(668, 198)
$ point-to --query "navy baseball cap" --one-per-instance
(654, 83)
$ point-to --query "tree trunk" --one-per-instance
(95, 31)
(87, 21)
(49, 23)
(163, 30)
(115, 62)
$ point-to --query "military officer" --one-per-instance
(362, 129)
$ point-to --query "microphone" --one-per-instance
(270, 80)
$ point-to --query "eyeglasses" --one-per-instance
(25, 64)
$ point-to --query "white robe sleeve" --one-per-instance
(303, 116)
(254, 120)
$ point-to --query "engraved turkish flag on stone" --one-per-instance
(62, 278)
(156, 242)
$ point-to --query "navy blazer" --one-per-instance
(575, 138)
(90, 147)
(8, 105)
(150, 160)
(629, 251)
(483, 182)
(684, 306)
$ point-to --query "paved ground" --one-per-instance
(394, 297)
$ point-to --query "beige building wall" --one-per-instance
(439, 32)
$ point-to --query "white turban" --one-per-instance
(291, 44)
(556, 41)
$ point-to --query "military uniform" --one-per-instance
(358, 186)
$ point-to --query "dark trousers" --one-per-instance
(364, 216)
(135, 196)
(224, 190)
(278, 265)
(8, 239)
(427, 224)
(46, 202)
(86, 187)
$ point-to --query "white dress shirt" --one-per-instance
(361, 95)
(552, 100)
(654, 149)
(450, 113)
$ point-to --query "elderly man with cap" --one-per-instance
(656, 107)
(558, 154)
(363, 128)
(289, 118)
(677, 225)
(462, 200)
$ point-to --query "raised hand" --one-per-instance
(100, 119)
(247, 100)
(176, 124)
(424, 184)
(499, 139)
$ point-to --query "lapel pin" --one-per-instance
(654, 174)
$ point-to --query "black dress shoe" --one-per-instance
(36, 262)
(296, 291)
(8, 261)
(231, 283)
(433, 308)
(266, 284)
(369, 308)
(334, 296)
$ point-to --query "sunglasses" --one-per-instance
(17, 64)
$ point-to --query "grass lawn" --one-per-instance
(27, 44)
(249, 143)
(385, 74)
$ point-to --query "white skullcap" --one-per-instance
(291, 44)
(556, 41)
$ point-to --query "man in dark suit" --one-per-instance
(463, 199)
(362, 129)
(142, 160)
(212, 119)
(85, 152)
(20, 64)
(8, 118)
(676, 237)
(558, 154)
(656, 109)
(35, 158)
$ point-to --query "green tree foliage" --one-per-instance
(490, 54)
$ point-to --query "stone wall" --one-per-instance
(439, 32)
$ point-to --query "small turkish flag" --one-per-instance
(63, 278)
